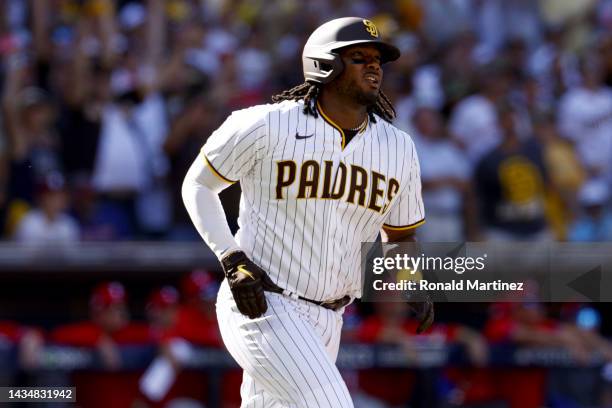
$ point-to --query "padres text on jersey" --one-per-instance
(311, 199)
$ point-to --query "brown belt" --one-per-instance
(328, 304)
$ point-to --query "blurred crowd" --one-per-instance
(105, 103)
(175, 323)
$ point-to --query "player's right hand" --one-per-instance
(246, 281)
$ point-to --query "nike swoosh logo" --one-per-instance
(298, 136)
(247, 273)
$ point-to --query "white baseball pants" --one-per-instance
(288, 355)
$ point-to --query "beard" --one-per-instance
(352, 91)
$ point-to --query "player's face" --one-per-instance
(362, 75)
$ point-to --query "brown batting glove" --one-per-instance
(247, 281)
(420, 302)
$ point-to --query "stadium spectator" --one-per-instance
(129, 164)
(552, 65)
(108, 328)
(31, 153)
(28, 119)
(29, 342)
(499, 21)
(594, 222)
(460, 77)
(581, 386)
(527, 324)
(165, 380)
(512, 185)
(445, 174)
(564, 169)
(585, 118)
(391, 325)
(190, 129)
(21, 352)
(161, 310)
(474, 122)
(48, 223)
(196, 321)
(195, 326)
(446, 20)
(523, 324)
(98, 220)
(86, 95)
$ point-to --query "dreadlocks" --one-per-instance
(310, 92)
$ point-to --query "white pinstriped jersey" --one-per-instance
(308, 201)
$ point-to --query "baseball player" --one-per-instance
(321, 170)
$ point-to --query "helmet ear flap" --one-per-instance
(337, 66)
(322, 68)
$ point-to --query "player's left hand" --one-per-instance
(246, 281)
(420, 302)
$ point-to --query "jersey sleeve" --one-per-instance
(407, 210)
(232, 149)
